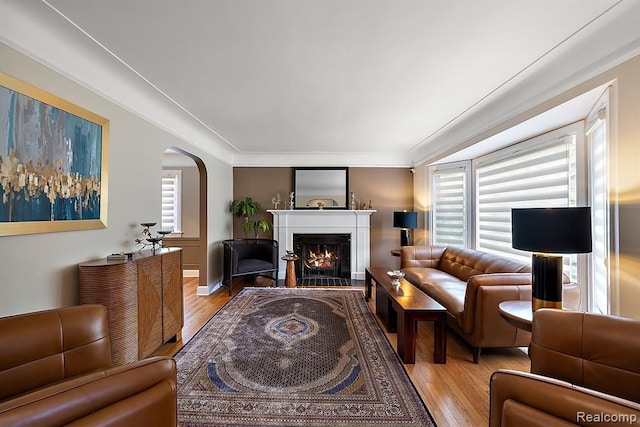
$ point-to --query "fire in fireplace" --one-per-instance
(320, 259)
(323, 256)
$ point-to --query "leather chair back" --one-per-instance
(42, 348)
(594, 351)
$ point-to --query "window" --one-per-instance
(171, 201)
(540, 172)
(566, 167)
(449, 205)
(597, 138)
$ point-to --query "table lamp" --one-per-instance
(405, 220)
(549, 233)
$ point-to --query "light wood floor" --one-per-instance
(457, 394)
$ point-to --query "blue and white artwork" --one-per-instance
(50, 162)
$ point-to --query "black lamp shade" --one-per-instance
(552, 230)
(405, 219)
(549, 233)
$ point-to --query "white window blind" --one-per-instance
(171, 181)
(599, 297)
(537, 173)
(449, 207)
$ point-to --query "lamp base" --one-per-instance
(404, 237)
(538, 303)
(546, 284)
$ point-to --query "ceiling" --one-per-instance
(332, 82)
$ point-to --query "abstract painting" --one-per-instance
(53, 162)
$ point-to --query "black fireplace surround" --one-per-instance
(323, 256)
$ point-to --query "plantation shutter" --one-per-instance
(171, 200)
(449, 207)
(539, 175)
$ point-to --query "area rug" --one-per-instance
(295, 357)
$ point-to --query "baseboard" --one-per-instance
(191, 273)
(208, 290)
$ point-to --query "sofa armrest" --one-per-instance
(486, 291)
(122, 395)
(421, 256)
(524, 399)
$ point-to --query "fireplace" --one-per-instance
(324, 257)
(354, 223)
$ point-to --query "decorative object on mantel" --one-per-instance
(320, 205)
(247, 209)
(147, 239)
(291, 202)
(353, 201)
(405, 220)
(276, 200)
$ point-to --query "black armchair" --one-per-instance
(243, 257)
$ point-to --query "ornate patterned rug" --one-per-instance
(295, 357)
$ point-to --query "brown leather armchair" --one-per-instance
(585, 371)
(55, 369)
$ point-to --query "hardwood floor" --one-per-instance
(457, 394)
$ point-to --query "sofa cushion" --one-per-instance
(254, 265)
(421, 256)
(448, 290)
(465, 263)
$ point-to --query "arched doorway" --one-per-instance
(193, 236)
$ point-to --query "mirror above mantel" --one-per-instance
(326, 188)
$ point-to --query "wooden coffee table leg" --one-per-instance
(384, 310)
(407, 332)
(406, 337)
(440, 338)
(367, 284)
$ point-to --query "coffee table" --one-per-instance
(400, 308)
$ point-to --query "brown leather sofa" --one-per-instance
(585, 371)
(471, 284)
(55, 369)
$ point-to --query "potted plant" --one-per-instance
(247, 209)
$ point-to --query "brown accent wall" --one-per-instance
(261, 184)
(388, 190)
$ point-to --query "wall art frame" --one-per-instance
(53, 162)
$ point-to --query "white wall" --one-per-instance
(40, 271)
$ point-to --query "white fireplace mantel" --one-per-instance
(356, 223)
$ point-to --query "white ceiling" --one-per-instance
(348, 82)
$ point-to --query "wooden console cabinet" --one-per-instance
(143, 297)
